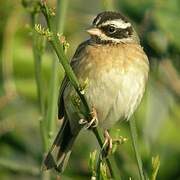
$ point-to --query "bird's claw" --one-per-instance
(92, 123)
(108, 144)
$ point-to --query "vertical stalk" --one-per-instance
(60, 14)
(58, 26)
(7, 56)
(133, 132)
(38, 75)
(96, 133)
(37, 53)
(52, 101)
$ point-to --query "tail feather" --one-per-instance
(60, 151)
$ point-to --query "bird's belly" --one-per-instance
(115, 83)
(115, 95)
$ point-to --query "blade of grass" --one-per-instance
(134, 138)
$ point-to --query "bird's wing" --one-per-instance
(76, 59)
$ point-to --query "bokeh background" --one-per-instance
(158, 117)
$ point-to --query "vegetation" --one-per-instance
(30, 75)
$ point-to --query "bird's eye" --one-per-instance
(111, 29)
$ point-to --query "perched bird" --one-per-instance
(116, 68)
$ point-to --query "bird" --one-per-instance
(116, 68)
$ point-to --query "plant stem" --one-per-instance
(37, 53)
(52, 101)
(98, 167)
(39, 83)
(58, 26)
(72, 78)
(133, 132)
(7, 50)
(60, 14)
(96, 133)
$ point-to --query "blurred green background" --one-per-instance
(158, 117)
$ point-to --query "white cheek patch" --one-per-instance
(119, 23)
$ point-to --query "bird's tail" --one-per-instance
(60, 151)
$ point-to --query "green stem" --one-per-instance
(73, 80)
(98, 137)
(37, 53)
(58, 26)
(60, 14)
(52, 100)
(39, 83)
(133, 132)
(98, 167)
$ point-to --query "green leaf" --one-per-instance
(103, 171)
(155, 167)
(92, 163)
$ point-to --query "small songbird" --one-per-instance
(115, 67)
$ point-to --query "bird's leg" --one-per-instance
(107, 146)
(93, 122)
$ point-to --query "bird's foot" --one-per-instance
(108, 144)
(92, 123)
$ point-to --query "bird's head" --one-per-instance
(111, 27)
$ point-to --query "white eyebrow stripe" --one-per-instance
(118, 23)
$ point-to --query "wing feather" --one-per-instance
(76, 59)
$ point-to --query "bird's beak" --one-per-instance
(94, 31)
